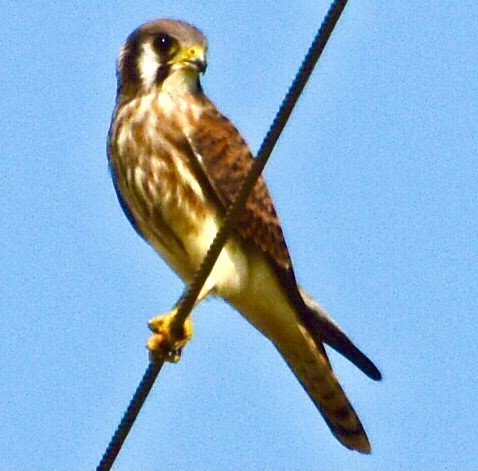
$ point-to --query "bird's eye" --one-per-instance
(164, 43)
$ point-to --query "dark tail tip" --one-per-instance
(342, 344)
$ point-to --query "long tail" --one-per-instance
(297, 326)
(310, 364)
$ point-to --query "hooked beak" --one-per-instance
(193, 57)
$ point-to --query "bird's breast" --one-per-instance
(151, 164)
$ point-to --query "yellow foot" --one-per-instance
(167, 342)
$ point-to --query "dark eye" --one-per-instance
(163, 43)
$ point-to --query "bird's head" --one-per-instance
(161, 54)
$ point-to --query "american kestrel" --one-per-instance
(176, 164)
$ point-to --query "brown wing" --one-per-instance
(226, 159)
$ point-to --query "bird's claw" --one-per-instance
(167, 341)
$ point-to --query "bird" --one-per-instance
(176, 163)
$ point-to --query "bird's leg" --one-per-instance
(168, 340)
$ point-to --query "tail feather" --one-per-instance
(308, 360)
(324, 329)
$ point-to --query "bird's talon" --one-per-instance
(167, 342)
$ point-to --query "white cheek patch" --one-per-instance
(148, 65)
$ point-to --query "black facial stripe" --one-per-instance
(162, 73)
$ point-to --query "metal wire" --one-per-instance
(189, 297)
(129, 417)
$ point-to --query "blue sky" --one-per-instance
(375, 180)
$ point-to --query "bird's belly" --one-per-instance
(180, 222)
(263, 302)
